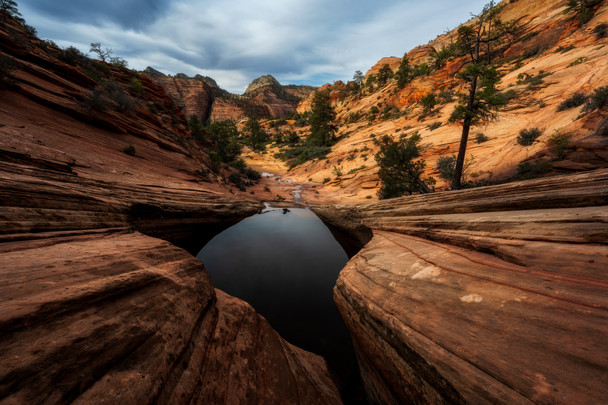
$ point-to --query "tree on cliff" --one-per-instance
(322, 126)
(476, 42)
(583, 9)
(10, 7)
(384, 74)
(404, 73)
(255, 135)
(400, 172)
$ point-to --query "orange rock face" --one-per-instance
(494, 295)
(568, 58)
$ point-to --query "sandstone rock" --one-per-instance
(94, 308)
(489, 295)
(119, 317)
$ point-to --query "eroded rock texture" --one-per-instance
(490, 295)
(93, 307)
(119, 317)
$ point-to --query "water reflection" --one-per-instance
(285, 263)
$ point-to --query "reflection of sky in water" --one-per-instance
(285, 265)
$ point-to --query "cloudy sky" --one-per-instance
(235, 41)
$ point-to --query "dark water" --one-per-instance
(285, 264)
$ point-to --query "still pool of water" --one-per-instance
(285, 263)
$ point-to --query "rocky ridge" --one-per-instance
(264, 97)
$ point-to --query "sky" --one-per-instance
(235, 41)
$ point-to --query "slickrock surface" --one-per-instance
(118, 317)
(490, 295)
(94, 308)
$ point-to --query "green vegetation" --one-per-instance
(9, 8)
(322, 126)
(476, 42)
(578, 61)
(559, 143)
(481, 138)
(404, 73)
(356, 169)
(7, 66)
(597, 101)
(428, 103)
(600, 30)
(105, 55)
(137, 86)
(527, 136)
(300, 154)
(533, 81)
(433, 126)
(338, 171)
(255, 136)
(531, 170)
(400, 172)
(441, 57)
(575, 100)
(583, 9)
(445, 167)
(129, 150)
(224, 135)
(385, 74)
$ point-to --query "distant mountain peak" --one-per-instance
(262, 81)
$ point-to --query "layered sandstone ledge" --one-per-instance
(120, 317)
(490, 295)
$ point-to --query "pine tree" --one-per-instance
(256, 136)
(476, 42)
(404, 72)
(10, 7)
(322, 126)
(400, 172)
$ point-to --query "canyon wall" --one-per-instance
(488, 295)
(98, 174)
(550, 60)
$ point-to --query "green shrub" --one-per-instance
(531, 170)
(7, 66)
(578, 61)
(337, 171)
(400, 169)
(96, 101)
(137, 86)
(481, 138)
(575, 100)
(428, 103)
(72, 56)
(600, 30)
(446, 166)
(326, 180)
(129, 150)
(527, 136)
(422, 69)
(300, 154)
(598, 100)
(434, 125)
(558, 144)
(355, 170)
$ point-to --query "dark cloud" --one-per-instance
(235, 41)
(126, 13)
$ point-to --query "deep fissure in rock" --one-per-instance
(285, 262)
